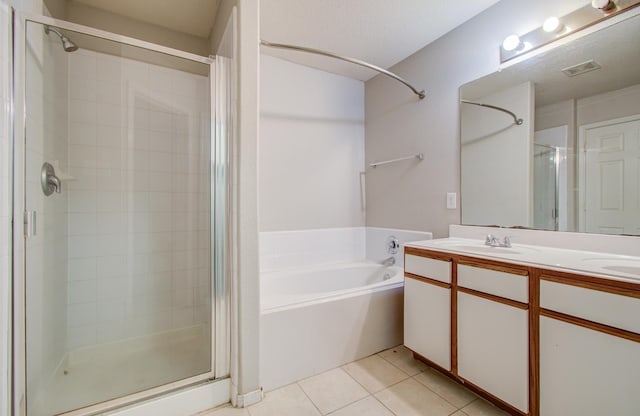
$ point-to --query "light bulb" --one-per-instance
(604, 5)
(552, 25)
(511, 42)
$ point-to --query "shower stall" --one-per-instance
(546, 187)
(120, 178)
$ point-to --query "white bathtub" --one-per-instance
(315, 319)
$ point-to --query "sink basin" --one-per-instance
(472, 246)
(485, 249)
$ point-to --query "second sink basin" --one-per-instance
(624, 269)
(620, 265)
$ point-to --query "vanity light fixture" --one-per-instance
(552, 25)
(512, 43)
(555, 28)
(603, 5)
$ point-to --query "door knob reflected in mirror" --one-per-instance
(49, 181)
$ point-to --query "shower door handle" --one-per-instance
(48, 179)
(29, 223)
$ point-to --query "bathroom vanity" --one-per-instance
(536, 330)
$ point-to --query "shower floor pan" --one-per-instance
(96, 374)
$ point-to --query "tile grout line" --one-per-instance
(369, 394)
(309, 398)
(373, 394)
(384, 405)
(443, 398)
(398, 367)
(384, 388)
(348, 404)
(422, 384)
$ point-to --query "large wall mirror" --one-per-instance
(573, 161)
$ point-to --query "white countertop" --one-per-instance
(604, 265)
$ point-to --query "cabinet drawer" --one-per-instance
(594, 305)
(503, 284)
(433, 269)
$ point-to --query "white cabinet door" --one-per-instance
(427, 321)
(584, 372)
(493, 348)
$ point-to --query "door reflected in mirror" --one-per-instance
(573, 164)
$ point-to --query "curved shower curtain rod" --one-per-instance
(420, 94)
(516, 119)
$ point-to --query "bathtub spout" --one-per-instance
(390, 261)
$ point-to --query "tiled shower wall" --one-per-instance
(139, 199)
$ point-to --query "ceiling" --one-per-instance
(380, 32)
(194, 17)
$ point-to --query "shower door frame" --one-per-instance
(220, 342)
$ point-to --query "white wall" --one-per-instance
(311, 148)
(245, 206)
(139, 224)
(610, 105)
(496, 159)
(397, 124)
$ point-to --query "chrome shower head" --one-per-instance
(67, 44)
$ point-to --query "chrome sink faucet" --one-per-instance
(493, 241)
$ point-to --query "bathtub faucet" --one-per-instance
(390, 261)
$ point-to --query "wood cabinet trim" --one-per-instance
(536, 274)
(420, 252)
(594, 283)
(606, 329)
(494, 298)
(488, 264)
(454, 321)
(427, 280)
(534, 342)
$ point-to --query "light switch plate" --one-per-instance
(451, 200)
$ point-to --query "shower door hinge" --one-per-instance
(29, 223)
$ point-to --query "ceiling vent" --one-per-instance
(582, 68)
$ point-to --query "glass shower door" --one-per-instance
(118, 201)
(545, 187)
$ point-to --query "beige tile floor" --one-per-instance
(385, 384)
